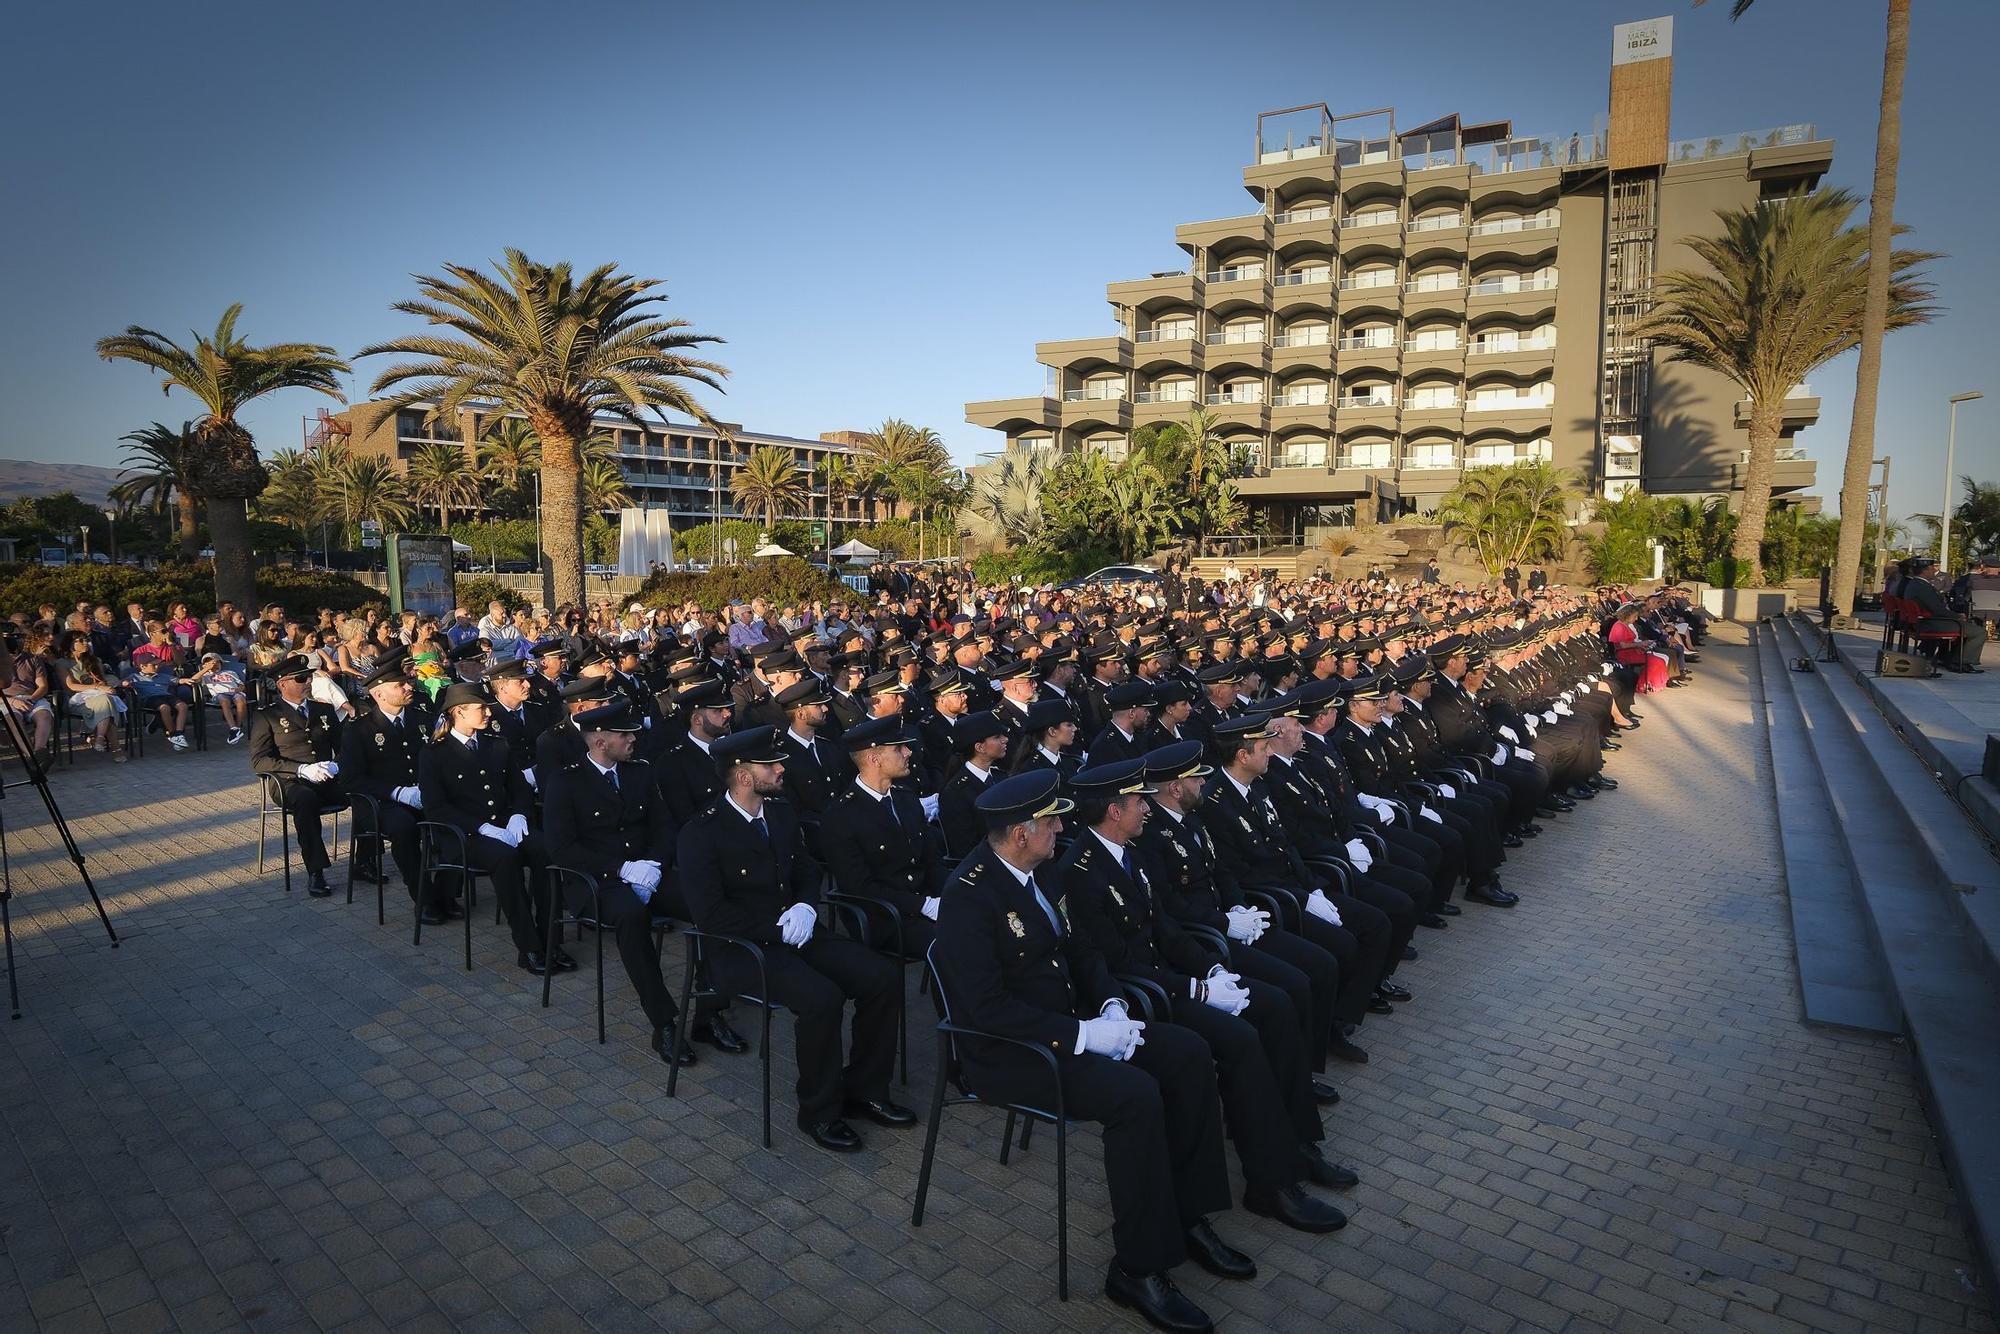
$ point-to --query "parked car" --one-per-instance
(1117, 574)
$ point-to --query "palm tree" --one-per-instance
(1509, 514)
(297, 496)
(226, 374)
(440, 474)
(1011, 494)
(1142, 508)
(604, 485)
(1876, 309)
(1782, 295)
(888, 454)
(161, 460)
(1978, 515)
(834, 474)
(771, 483)
(536, 340)
(367, 486)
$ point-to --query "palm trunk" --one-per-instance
(562, 514)
(444, 518)
(190, 527)
(235, 565)
(1874, 311)
(1766, 422)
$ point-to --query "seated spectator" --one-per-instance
(159, 692)
(223, 679)
(325, 684)
(30, 691)
(90, 697)
(182, 626)
(1933, 616)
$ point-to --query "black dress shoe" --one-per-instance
(1293, 1207)
(316, 885)
(1450, 909)
(1217, 1256)
(433, 917)
(835, 1135)
(1493, 896)
(1583, 792)
(1511, 840)
(1390, 991)
(1331, 1175)
(562, 961)
(1325, 1094)
(1409, 953)
(1432, 920)
(532, 962)
(1379, 1004)
(1531, 830)
(454, 910)
(1611, 745)
(717, 1033)
(1605, 784)
(1155, 1297)
(882, 1113)
(669, 1049)
(1343, 1049)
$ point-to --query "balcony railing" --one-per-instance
(1303, 338)
(1496, 286)
(1431, 343)
(1313, 397)
(1432, 403)
(1782, 454)
(1225, 336)
(1363, 281)
(1094, 394)
(1531, 151)
(1442, 222)
(1521, 403)
(1499, 226)
(1726, 145)
(1494, 347)
(1241, 273)
(1355, 342)
(1250, 394)
(1165, 395)
(1477, 459)
(1377, 460)
(1363, 220)
(1300, 277)
(1300, 458)
(1435, 282)
(1165, 334)
(1383, 399)
(1429, 462)
(1316, 213)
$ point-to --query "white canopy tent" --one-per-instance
(770, 549)
(855, 550)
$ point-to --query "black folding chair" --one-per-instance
(271, 792)
(698, 942)
(434, 838)
(561, 879)
(377, 840)
(854, 910)
(949, 1068)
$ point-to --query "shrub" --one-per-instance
(476, 592)
(785, 579)
(26, 587)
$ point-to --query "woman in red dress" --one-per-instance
(1630, 650)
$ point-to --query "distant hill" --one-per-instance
(26, 477)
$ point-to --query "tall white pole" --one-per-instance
(1950, 451)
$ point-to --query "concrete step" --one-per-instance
(1906, 842)
(1842, 981)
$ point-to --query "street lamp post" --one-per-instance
(111, 533)
(1950, 449)
(84, 528)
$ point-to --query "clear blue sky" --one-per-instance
(881, 207)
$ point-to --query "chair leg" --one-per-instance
(548, 956)
(1007, 1138)
(263, 822)
(681, 1019)
(931, 1133)
(423, 884)
(381, 882)
(903, 1023)
(597, 916)
(285, 846)
(765, 1007)
(468, 916)
(1062, 1210)
(1027, 1131)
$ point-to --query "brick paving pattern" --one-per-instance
(1601, 1112)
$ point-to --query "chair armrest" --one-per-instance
(1341, 874)
(1208, 934)
(1152, 997)
(1277, 900)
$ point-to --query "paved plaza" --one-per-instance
(1601, 1111)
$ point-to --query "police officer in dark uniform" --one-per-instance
(979, 743)
(746, 873)
(297, 738)
(603, 815)
(518, 717)
(547, 674)
(561, 744)
(876, 842)
(1049, 741)
(1250, 1027)
(687, 774)
(815, 768)
(379, 748)
(1124, 736)
(468, 781)
(1010, 965)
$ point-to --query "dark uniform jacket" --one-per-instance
(688, 781)
(1367, 758)
(1189, 884)
(376, 756)
(595, 827)
(1249, 837)
(813, 776)
(281, 740)
(1109, 746)
(558, 747)
(1115, 912)
(875, 853)
(468, 788)
(736, 881)
(957, 817)
(523, 732)
(1305, 809)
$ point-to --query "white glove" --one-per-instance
(517, 825)
(314, 773)
(930, 908)
(499, 834)
(1525, 753)
(332, 768)
(529, 774)
(1246, 924)
(1225, 992)
(1511, 735)
(1534, 725)
(796, 923)
(1563, 709)
(1320, 906)
(1358, 853)
(1549, 717)
(1430, 814)
(1115, 1008)
(408, 796)
(641, 875)
(930, 805)
(1499, 755)
(1567, 696)
(1385, 814)
(1116, 1038)
(1447, 791)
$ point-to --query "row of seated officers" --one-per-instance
(1267, 872)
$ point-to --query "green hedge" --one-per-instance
(786, 579)
(27, 587)
(476, 592)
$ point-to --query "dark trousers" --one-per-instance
(917, 934)
(1162, 1119)
(631, 925)
(1360, 945)
(307, 802)
(1414, 863)
(1308, 975)
(814, 982)
(518, 883)
(399, 831)
(1260, 1066)
(1364, 889)
(669, 900)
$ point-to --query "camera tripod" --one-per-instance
(39, 780)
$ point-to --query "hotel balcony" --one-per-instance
(1522, 294)
(1792, 471)
(1513, 414)
(1423, 353)
(1251, 228)
(1013, 415)
(1352, 410)
(1516, 354)
(1290, 350)
(1511, 235)
(1179, 288)
(1109, 350)
(1314, 222)
(1801, 409)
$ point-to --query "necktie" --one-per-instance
(472, 743)
(763, 830)
(1055, 922)
(1125, 860)
(612, 774)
